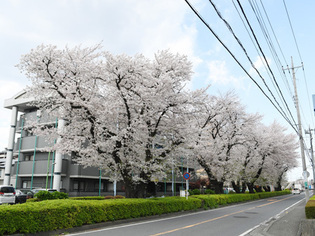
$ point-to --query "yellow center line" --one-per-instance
(217, 218)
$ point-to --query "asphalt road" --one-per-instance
(230, 220)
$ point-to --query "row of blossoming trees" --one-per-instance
(130, 116)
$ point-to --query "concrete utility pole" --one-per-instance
(300, 132)
(309, 131)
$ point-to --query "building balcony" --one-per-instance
(41, 168)
(28, 143)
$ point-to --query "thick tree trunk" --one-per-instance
(278, 186)
(258, 188)
(267, 188)
(236, 186)
(217, 185)
(250, 187)
(133, 190)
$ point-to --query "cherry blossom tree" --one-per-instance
(220, 121)
(120, 110)
(267, 155)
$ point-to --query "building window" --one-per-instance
(97, 185)
(26, 184)
(79, 186)
(28, 157)
(75, 185)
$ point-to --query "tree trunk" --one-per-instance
(258, 188)
(243, 187)
(133, 190)
(278, 186)
(236, 186)
(217, 185)
(250, 187)
(267, 188)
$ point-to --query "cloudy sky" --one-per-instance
(146, 26)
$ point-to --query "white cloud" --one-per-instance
(7, 90)
(259, 64)
(122, 26)
(220, 75)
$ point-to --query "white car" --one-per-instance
(7, 194)
(296, 191)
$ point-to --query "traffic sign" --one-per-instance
(306, 174)
(186, 176)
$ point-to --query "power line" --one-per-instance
(273, 51)
(245, 52)
(256, 40)
(272, 48)
(233, 56)
(285, 6)
(297, 47)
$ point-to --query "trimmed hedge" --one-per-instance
(87, 198)
(51, 215)
(214, 200)
(310, 208)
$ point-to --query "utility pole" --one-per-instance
(300, 132)
(309, 131)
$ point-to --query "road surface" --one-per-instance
(231, 220)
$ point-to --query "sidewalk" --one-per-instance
(286, 223)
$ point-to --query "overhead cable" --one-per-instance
(233, 56)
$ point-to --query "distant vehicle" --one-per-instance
(299, 186)
(7, 194)
(296, 191)
(20, 197)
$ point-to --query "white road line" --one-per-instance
(271, 218)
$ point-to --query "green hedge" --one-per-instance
(214, 200)
(310, 208)
(51, 215)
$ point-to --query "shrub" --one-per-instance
(196, 191)
(43, 195)
(59, 195)
(209, 191)
(310, 208)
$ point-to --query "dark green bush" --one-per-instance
(209, 191)
(43, 195)
(59, 195)
(196, 191)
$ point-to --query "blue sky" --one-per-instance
(146, 26)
